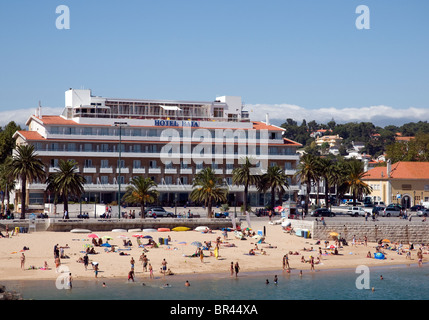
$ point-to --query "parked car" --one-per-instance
(221, 214)
(158, 212)
(322, 212)
(379, 204)
(356, 211)
(417, 207)
(423, 212)
(392, 210)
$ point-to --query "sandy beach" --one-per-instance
(178, 253)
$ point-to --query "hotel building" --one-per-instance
(113, 140)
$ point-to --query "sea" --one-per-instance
(400, 282)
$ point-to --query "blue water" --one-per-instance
(398, 283)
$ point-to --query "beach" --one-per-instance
(178, 254)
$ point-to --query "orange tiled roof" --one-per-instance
(55, 120)
(30, 135)
(400, 170)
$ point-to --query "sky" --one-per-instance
(289, 58)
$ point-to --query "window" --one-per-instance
(168, 180)
(137, 148)
(70, 130)
(104, 179)
(87, 147)
(88, 163)
(152, 164)
(137, 164)
(36, 198)
(137, 132)
(104, 164)
(87, 131)
(71, 146)
(54, 130)
(218, 112)
(406, 187)
(104, 147)
(104, 131)
(120, 163)
(54, 163)
(88, 179)
(55, 147)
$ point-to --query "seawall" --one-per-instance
(395, 231)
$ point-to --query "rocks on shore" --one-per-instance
(9, 295)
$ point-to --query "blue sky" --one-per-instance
(277, 55)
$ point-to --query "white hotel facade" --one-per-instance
(113, 140)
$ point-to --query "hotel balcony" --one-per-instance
(89, 170)
(139, 170)
(106, 170)
(154, 170)
(290, 172)
(186, 170)
(124, 170)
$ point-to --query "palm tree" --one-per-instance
(245, 175)
(66, 181)
(274, 180)
(7, 182)
(307, 173)
(353, 180)
(141, 191)
(208, 188)
(326, 171)
(28, 168)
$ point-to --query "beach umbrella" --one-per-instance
(106, 245)
(182, 243)
(92, 235)
(147, 237)
(332, 246)
(385, 240)
(138, 235)
(88, 245)
(333, 234)
(379, 256)
(197, 244)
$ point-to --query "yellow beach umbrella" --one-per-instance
(333, 234)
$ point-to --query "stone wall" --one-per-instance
(395, 231)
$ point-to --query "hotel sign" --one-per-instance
(175, 123)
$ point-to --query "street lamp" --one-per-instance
(119, 125)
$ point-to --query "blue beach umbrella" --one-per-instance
(379, 256)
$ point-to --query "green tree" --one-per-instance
(7, 142)
(274, 180)
(246, 175)
(141, 191)
(208, 188)
(66, 181)
(353, 180)
(307, 174)
(28, 168)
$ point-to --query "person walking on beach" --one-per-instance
(286, 262)
(131, 275)
(132, 262)
(86, 261)
(23, 261)
(236, 269)
(150, 271)
(232, 268)
(164, 266)
(312, 263)
(69, 281)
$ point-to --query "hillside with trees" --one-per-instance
(377, 140)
